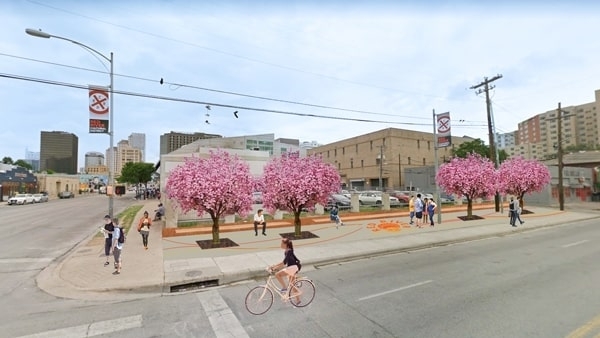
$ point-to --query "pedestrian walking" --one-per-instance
(512, 209)
(118, 241)
(334, 215)
(411, 209)
(419, 211)
(259, 219)
(431, 206)
(519, 210)
(144, 228)
(107, 230)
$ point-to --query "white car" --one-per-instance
(39, 198)
(374, 198)
(21, 199)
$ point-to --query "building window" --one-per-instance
(335, 152)
(362, 163)
(356, 146)
(343, 150)
(409, 160)
(327, 153)
(371, 144)
(428, 145)
(424, 163)
(418, 144)
(351, 163)
(339, 166)
(384, 141)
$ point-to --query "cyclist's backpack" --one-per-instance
(122, 236)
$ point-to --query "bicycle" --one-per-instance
(300, 292)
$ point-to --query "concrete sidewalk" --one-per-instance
(173, 264)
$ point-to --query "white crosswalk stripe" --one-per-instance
(221, 318)
(93, 329)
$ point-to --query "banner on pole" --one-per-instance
(99, 108)
(444, 138)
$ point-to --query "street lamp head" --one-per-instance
(37, 33)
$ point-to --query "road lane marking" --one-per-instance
(224, 323)
(25, 260)
(93, 329)
(573, 244)
(394, 290)
(586, 328)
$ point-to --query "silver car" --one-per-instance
(40, 198)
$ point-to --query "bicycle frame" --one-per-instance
(285, 295)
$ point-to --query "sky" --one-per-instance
(319, 71)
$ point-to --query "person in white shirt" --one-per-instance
(259, 219)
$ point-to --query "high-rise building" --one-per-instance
(94, 158)
(172, 141)
(138, 140)
(33, 158)
(58, 152)
(125, 154)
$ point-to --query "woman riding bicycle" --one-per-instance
(289, 266)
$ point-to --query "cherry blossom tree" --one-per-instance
(218, 185)
(518, 176)
(472, 177)
(293, 183)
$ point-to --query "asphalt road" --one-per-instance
(536, 284)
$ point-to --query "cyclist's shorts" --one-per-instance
(291, 270)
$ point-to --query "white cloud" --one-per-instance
(395, 59)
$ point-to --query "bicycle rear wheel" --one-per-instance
(259, 300)
(302, 293)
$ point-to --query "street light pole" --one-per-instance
(41, 34)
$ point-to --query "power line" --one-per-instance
(173, 99)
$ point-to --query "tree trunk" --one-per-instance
(521, 202)
(469, 208)
(215, 230)
(297, 224)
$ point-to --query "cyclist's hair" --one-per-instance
(288, 243)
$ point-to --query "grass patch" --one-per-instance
(126, 218)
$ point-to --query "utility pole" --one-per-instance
(486, 88)
(381, 168)
(561, 190)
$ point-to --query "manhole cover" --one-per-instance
(193, 273)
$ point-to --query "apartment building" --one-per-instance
(537, 137)
(172, 141)
(125, 154)
(363, 161)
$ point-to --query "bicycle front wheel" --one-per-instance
(259, 300)
(302, 293)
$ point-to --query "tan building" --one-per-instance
(363, 160)
(100, 170)
(126, 154)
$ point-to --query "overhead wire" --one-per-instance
(220, 91)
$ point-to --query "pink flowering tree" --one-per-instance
(293, 183)
(218, 185)
(472, 177)
(518, 176)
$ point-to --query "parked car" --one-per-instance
(40, 198)
(401, 196)
(348, 193)
(375, 198)
(21, 199)
(340, 200)
(66, 194)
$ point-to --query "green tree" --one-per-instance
(7, 160)
(135, 173)
(22, 163)
(477, 146)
